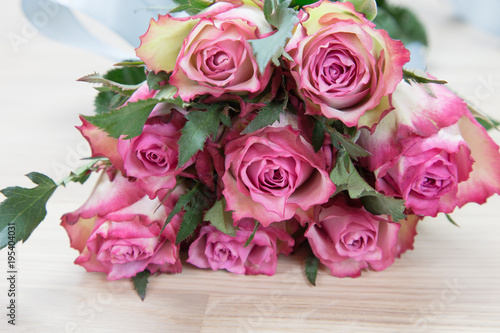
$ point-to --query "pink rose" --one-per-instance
(348, 239)
(273, 174)
(209, 53)
(431, 152)
(216, 250)
(118, 231)
(343, 67)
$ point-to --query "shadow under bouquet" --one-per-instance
(248, 129)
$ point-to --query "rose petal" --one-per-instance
(101, 144)
(484, 180)
(106, 197)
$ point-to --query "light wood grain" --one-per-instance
(449, 283)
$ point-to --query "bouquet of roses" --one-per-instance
(251, 128)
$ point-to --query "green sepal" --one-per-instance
(318, 136)
(311, 268)
(220, 218)
(488, 123)
(411, 76)
(484, 120)
(81, 174)
(252, 235)
(140, 281)
(448, 217)
(119, 88)
(130, 63)
(24, 208)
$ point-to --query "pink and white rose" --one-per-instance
(209, 53)
(273, 174)
(103, 145)
(216, 250)
(151, 157)
(155, 152)
(344, 68)
(431, 152)
(118, 231)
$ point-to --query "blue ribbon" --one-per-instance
(127, 18)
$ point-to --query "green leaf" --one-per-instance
(341, 172)
(192, 7)
(199, 126)
(448, 217)
(366, 7)
(400, 23)
(128, 120)
(24, 208)
(126, 75)
(311, 268)
(154, 80)
(266, 116)
(108, 100)
(192, 218)
(271, 48)
(379, 204)
(345, 173)
(183, 201)
(346, 177)
(220, 218)
(252, 235)
(140, 282)
(341, 142)
(318, 136)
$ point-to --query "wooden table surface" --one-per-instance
(449, 283)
